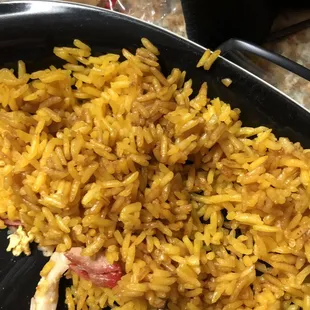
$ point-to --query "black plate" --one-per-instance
(30, 29)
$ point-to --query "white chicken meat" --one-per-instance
(46, 295)
(19, 242)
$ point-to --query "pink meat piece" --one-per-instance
(16, 223)
(98, 270)
(110, 4)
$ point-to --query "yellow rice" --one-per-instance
(109, 154)
(227, 82)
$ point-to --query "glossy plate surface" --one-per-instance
(30, 29)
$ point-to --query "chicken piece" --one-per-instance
(19, 242)
(97, 270)
(47, 250)
(46, 295)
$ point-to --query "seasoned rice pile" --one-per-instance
(110, 155)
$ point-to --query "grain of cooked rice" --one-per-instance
(227, 82)
(208, 58)
(113, 156)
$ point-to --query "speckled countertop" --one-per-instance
(165, 13)
(295, 47)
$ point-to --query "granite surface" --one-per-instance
(164, 13)
(295, 47)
